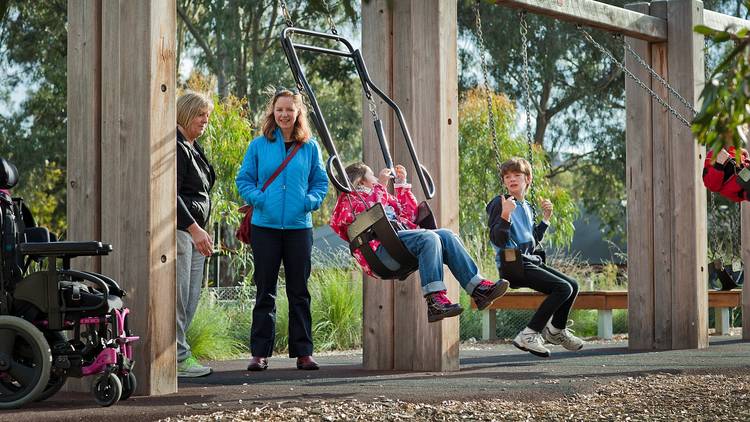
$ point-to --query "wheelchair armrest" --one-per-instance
(65, 249)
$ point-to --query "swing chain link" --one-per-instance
(524, 30)
(372, 106)
(329, 18)
(658, 77)
(630, 74)
(485, 74)
(287, 16)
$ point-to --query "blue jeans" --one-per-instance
(433, 248)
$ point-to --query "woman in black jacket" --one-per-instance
(195, 178)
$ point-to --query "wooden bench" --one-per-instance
(603, 302)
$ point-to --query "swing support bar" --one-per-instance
(339, 178)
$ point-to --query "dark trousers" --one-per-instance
(271, 247)
(560, 289)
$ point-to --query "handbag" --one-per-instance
(243, 232)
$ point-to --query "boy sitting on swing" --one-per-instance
(512, 229)
(432, 248)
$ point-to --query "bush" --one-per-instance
(210, 334)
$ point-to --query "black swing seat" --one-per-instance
(373, 224)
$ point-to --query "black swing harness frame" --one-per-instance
(373, 223)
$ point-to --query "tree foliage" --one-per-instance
(33, 46)
(477, 155)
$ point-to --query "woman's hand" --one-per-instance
(384, 176)
(201, 239)
(546, 209)
(401, 173)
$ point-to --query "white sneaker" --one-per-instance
(531, 342)
(565, 338)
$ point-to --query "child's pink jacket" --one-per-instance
(404, 205)
(722, 179)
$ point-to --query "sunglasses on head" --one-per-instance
(281, 89)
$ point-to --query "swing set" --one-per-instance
(373, 223)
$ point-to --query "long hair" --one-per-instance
(301, 131)
(191, 104)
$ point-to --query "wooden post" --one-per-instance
(686, 74)
(423, 74)
(745, 255)
(663, 225)
(377, 43)
(130, 124)
(639, 159)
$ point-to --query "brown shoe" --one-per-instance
(258, 363)
(307, 363)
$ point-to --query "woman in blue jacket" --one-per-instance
(282, 224)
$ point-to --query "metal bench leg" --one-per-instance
(604, 328)
(721, 320)
(489, 324)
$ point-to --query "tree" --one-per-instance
(33, 45)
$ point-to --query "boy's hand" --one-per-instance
(722, 156)
(401, 173)
(384, 177)
(509, 205)
(546, 209)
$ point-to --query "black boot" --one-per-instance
(486, 292)
(439, 307)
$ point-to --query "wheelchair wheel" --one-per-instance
(107, 389)
(129, 384)
(25, 362)
(57, 379)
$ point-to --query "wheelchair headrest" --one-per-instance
(8, 174)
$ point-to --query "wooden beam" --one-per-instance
(377, 48)
(121, 137)
(745, 255)
(640, 181)
(686, 75)
(424, 58)
(597, 15)
(721, 22)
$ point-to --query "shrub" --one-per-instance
(210, 333)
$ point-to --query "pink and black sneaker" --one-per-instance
(439, 307)
(486, 292)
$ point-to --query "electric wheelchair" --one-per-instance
(56, 322)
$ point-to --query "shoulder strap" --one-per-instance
(281, 167)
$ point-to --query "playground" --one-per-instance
(121, 246)
(495, 382)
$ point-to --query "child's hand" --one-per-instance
(401, 173)
(546, 209)
(384, 176)
(509, 205)
(722, 156)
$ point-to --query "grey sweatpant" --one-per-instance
(190, 265)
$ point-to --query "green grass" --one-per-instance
(210, 334)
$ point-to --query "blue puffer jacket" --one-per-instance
(298, 190)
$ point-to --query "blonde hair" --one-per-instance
(301, 131)
(516, 165)
(356, 171)
(191, 104)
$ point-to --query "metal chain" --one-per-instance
(630, 74)
(285, 12)
(658, 77)
(488, 92)
(524, 30)
(372, 106)
(329, 17)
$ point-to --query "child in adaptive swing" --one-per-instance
(432, 248)
(512, 227)
(725, 177)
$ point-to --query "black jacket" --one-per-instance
(195, 178)
(500, 231)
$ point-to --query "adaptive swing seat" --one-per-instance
(373, 223)
(56, 322)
